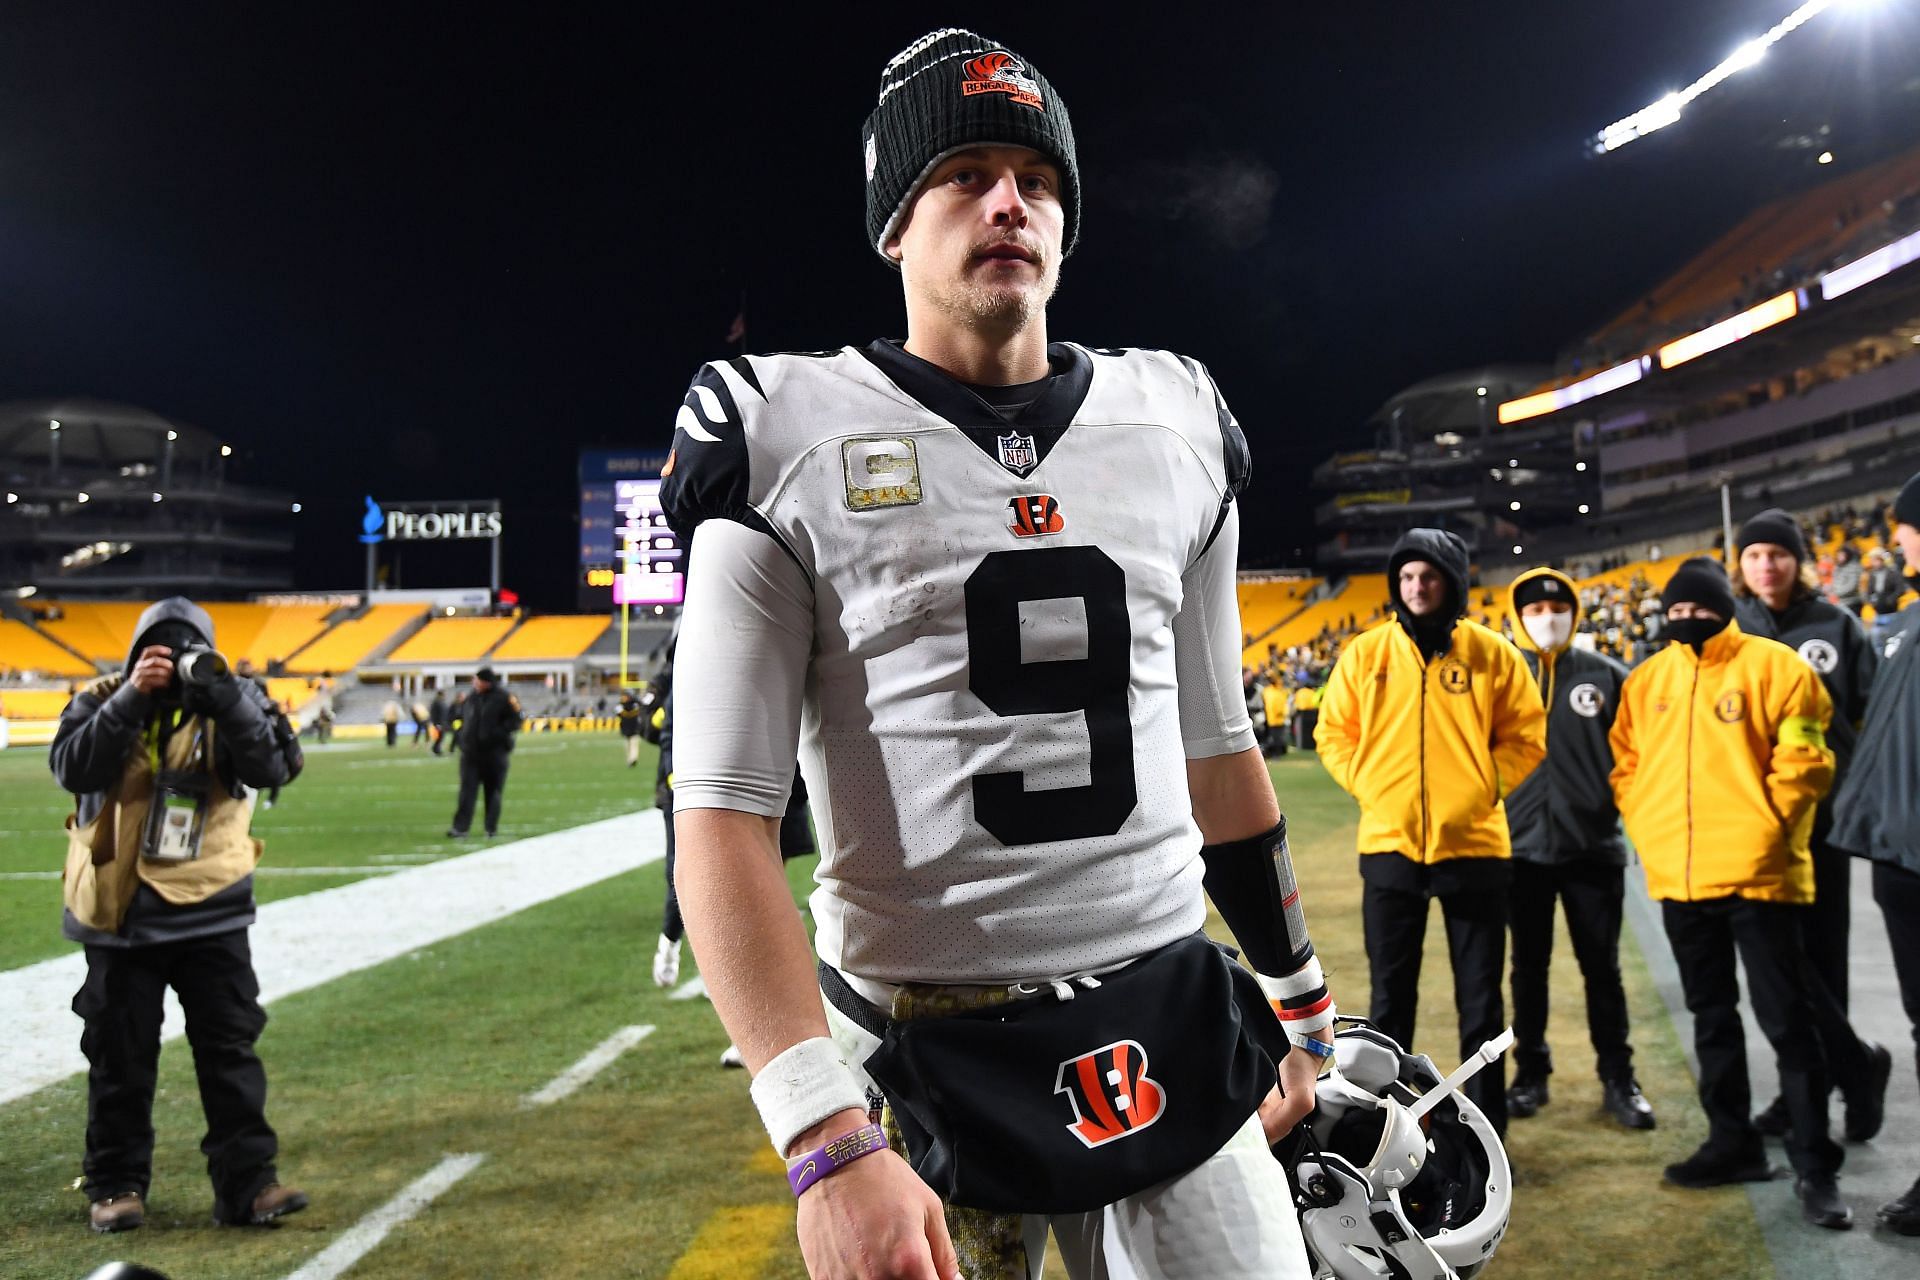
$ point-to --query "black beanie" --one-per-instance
(1777, 527)
(1542, 586)
(949, 90)
(1701, 582)
(1906, 507)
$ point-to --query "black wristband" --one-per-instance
(1251, 883)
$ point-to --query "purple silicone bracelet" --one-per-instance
(836, 1155)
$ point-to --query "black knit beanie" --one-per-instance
(1777, 527)
(1701, 582)
(1906, 507)
(1542, 586)
(949, 90)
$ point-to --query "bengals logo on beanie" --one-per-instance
(947, 91)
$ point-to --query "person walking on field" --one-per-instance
(390, 717)
(1430, 724)
(489, 719)
(1015, 692)
(1567, 848)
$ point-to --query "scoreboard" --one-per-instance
(619, 510)
(652, 566)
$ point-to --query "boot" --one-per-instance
(1626, 1104)
(1867, 1109)
(1902, 1216)
(273, 1202)
(123, 1212)
(1710, 1168)
(1526, 1095)
(1820, 1202)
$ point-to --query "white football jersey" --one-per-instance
(998, 644)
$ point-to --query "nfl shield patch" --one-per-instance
(1017, 453)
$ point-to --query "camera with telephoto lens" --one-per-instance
(200, 665)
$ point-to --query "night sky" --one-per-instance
(433, 253)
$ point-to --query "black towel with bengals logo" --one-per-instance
(1052, 1105)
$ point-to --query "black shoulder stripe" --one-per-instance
(707, 473)
(744, 367)
(1234, 453)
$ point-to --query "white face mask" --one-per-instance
(1549, 631)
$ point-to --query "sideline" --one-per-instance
(1875, 1172)
(301, 943)
(364, 1236)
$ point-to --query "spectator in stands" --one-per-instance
(390, 717)
(159, 889)
(489, 720)
(1777, 596)
(1846, 578)
(1567, 848)
(1718, 801)
(1877, 812)
(1883, 589)
(1429, 723)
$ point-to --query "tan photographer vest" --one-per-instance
(104, 867)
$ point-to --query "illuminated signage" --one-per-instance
(1573, 393)
(653, 565)
(1845, 279)
(417, 523)
(1731, 330)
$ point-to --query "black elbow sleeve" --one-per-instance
(1251, 882)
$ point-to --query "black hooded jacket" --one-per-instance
(90, 750)
(1876, 810)
(1835, 645)
(1445, 552)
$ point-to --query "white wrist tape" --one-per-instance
(1313, 1026)
(1298, 983)
(801, 1087)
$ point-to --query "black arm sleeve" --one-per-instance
(90, 747)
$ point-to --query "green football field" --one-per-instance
(656, 1167)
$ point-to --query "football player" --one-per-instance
(985, 584)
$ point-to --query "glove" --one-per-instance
(217, 699)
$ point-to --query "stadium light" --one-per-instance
(226, 451)
(27, 592)
(1825, 157)
(296, 508)
(1579, 466)
(1514, 505)
(1774, 310)
(172, 436)
(1851, 275)
(1583, 508)
(84, 498)
(1667, 110)
(156, 497)
(1517, 548)
(53, 424)
(1480, 391)
(12, 497)
(1598, 384)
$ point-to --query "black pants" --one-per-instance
(120, 1006)
(1766, 935)
(1395, 923)
(1897, 890)
(1828, 920)
(1593, 893)
(393, 734)
(480, 769)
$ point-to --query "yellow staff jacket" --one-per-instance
(1429, 749)
(1719, 760)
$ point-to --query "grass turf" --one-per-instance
(657, 1167)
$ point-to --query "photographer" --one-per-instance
(163, 760)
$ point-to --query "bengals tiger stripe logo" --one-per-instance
(1000, 72)
(1035, 515)
(1111, 1093)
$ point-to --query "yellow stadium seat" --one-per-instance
(561, 636)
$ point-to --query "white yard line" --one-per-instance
(259, 871)
(365, 1235)
(692, 989)
(303, 942)
(598, 1059)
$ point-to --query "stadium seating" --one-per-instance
(24, 649)
(349, 643)
(561, 636)
(1265, 605)
(101, 631)
(452, 640)
(1363, 596)
(33, 704)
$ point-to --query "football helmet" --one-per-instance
(1396, 1174)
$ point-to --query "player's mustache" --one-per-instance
(1029, 247)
